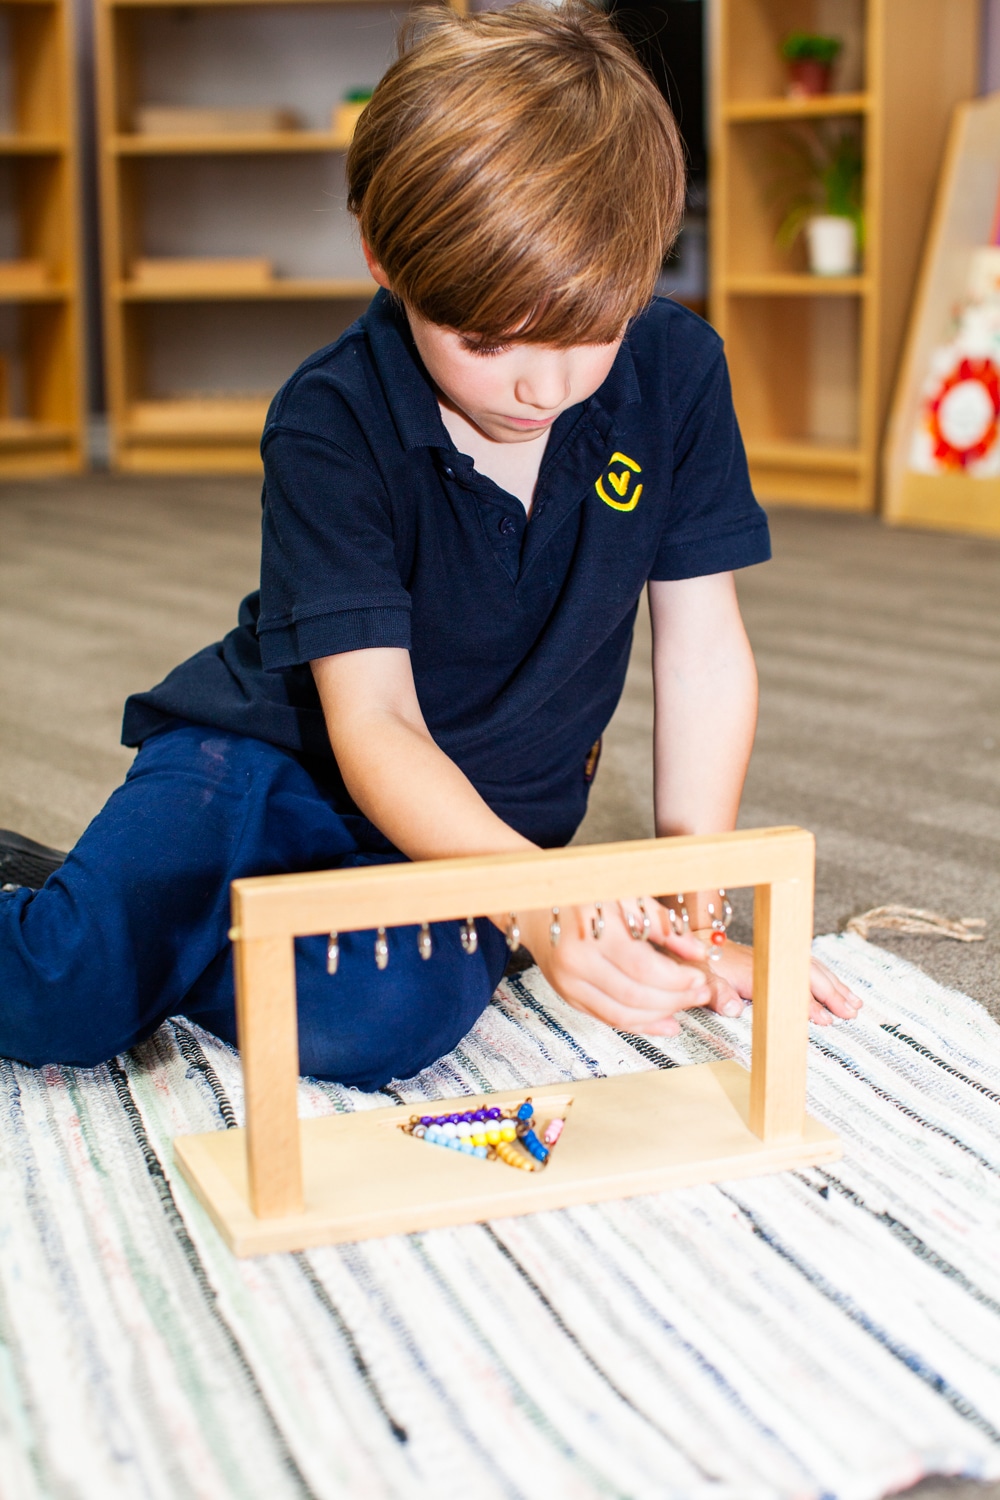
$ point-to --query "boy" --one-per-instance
(464, 499)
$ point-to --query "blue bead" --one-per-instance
(526, 1111)
(453, 1142)
(480, 1151)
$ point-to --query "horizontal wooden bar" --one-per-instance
(445, 889)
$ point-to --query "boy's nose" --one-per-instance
(545, 385)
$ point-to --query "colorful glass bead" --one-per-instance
(514, 1158)
(553, 1131)
(526, 1110)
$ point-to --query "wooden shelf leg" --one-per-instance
(783, 915)
(268, 1033)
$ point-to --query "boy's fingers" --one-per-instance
(633, 991)
(649, 1021)
(828, 990)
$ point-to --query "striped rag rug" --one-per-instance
(833, 1332)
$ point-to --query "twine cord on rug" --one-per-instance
(914, 921)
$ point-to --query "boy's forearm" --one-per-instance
(391, 766)
(705, 684)
(417, 796)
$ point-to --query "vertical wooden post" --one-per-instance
(268, 1034)
(782, 938)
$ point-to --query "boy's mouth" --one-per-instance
(528, 423)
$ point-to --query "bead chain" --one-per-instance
(507, 1135)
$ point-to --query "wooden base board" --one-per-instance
(636, 1133)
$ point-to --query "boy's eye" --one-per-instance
(474, 347)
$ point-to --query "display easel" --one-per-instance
(285, 1184)
(963, 222)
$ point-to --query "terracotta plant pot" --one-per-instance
(833, 245)
(807, 78)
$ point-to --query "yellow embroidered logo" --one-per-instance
(619, 483)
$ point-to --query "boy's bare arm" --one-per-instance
(429, 809)
(392, 767)
(705, 687)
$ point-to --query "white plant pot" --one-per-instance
(833, 245)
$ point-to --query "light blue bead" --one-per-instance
(453, 1142)
(468, 1149)
(479, 1151)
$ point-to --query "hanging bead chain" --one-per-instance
(720, 914)
(508, 1135)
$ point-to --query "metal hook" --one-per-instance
(469, 936)
(638, 933)
(555, 930)
(381, 949)
(424, 945)
(513, 933)
(332, 953)
(597, 923)
(680, 922)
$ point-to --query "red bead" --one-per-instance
(718, 938)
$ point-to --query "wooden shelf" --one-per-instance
(823, 107)
(41, 356)
(180, 419)
(177, 206)
(813, 358)
(22, 433)
(247, 142)
(36, 294)
(796, 284)
(817, 456)
(298, 289)
(16, 144)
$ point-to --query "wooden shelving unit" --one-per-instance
(41, 399)
(812, 358)
(193, 364)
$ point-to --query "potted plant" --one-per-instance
(809, 59)
(826, 180)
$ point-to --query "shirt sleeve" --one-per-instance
(329, 577)
(713, 523)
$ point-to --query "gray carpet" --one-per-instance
(879, 654)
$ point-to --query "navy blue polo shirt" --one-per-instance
(378, 532)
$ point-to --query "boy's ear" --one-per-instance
(376, 270)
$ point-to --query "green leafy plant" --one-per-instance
(822, 172)
(808, 46)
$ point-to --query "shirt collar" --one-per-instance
(410, 393)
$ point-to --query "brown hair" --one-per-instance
(518, 170)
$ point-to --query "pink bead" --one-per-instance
(553, 1131)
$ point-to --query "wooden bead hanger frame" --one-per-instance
(286, 1184)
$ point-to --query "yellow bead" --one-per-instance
(492, 1136)
(508, 1131)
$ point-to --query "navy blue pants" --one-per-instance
(133, 928)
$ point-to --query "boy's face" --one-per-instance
(515, 392)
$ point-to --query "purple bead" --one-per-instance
(493, 1114)
(427, 1119)
(480, 1114)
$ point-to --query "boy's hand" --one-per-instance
(631, 985)
(635, 986)
(733, 975)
